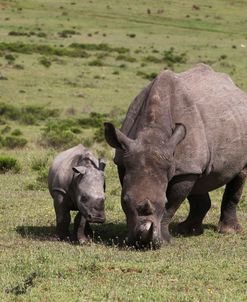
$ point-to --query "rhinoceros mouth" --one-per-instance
(146, 237)
(95, 219)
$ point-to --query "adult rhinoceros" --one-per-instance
(184, 135)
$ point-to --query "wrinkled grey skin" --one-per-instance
(76, 182)
(183, 136)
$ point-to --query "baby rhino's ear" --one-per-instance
(79, 169)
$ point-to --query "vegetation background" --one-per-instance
(65, 67)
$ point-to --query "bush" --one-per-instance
(39, 164)
(125, 58)
(28, 115)
(131, 35)
(152, 59)
(10, 58)
(9, 111)
(14, 142)
(16, 132)
(94, 120)
(33, 113)
(170, 57)
(59, 134)
(40, 182)
(42, 49)
(18, 66)
(148, 76)
(45, 62)
(8, 163)
(65, 133)
(99, 47)
(6, 129)
(96, 62)
(58, 139)
(67, 33)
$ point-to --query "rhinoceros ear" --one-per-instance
(102, 164)
(178, 135)
(115, 138)
(79, 169)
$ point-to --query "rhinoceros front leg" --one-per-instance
(178, 190)
(81, 228)
(228, 219)
(62, 216)
(199, 206)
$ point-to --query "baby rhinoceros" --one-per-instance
(76, 183)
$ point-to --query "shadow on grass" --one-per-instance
(42, 233)
(174, 232)
(108, 233)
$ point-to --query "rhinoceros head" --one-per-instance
(148, 165)
(88, 188)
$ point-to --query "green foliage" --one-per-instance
(10, 58)
(16, 132)
(13, 142)
(27, 34)
(171, 57)
(56, 138)
(8, 163)
(148, 76)
(3, 78)
(41, 167)
(94, 120)
(39, 164)
(99, 47)
(67, 33)
(45, 62)
(131, 35)
(96, 62)
(66, 132)
(125, 58)
(18, 66)
(59, 134)
(28, 115)
(152, 59)
(6, 129)
(20, 47)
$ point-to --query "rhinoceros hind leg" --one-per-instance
(62, 216)
(228, 218)
(199, 206)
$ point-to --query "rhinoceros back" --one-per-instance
(213, 110)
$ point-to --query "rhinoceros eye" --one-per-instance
(84, 198)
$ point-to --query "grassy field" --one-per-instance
(65, 67)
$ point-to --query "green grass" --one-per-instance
(68, 66)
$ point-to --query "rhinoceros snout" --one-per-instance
(97, 218)
(146, 236)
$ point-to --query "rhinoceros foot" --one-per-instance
(65, 238)
(187, 228)
(82, 241)
(233, 228)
